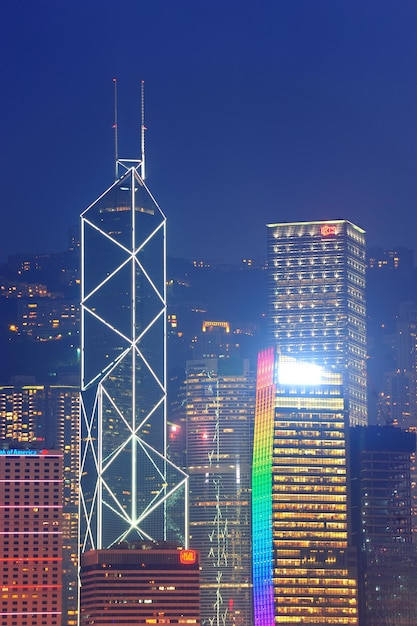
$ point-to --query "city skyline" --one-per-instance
(294, 120)
(108, 217)
(292, 111)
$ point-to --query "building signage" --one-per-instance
(14, 452)
(328, 229)
(188, 557)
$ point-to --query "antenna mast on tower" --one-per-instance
(142, 130)
(116, 146)
(128, 163)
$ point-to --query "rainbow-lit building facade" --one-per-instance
(303, 569)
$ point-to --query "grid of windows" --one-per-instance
(29, 412)
(30, 537)
(219, 408)
(139, 586)
(317, 299)
(303, 567)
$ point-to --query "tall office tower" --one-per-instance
(317, 300)
(380, 471)
(128, 487)
(30, 537)
(219, 427)
(304, 571)
(139, 584)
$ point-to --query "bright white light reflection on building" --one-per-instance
(299, 373)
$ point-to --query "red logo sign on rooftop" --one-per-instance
(327, 230)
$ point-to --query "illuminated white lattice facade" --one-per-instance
(129, 488)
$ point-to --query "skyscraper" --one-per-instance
(32, 413)
(219, 429)
(303, 569)
(127, 482)
(380, 471)
(30, 537)
(317, 300)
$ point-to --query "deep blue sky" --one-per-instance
(262, 111)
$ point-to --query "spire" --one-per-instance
(116, 147)
(126, 164)
(142, 130)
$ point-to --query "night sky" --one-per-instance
(256, 112)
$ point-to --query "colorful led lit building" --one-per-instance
(140, 584)
(303, 568)
(30, 537)
(317, 300)
(127, 481)
(220, 397)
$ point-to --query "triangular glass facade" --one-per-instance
(129, 489)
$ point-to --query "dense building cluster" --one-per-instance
(247, 449)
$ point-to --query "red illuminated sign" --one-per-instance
(327, 230)
(188, 557)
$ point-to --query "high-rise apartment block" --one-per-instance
(317, 300)
(219, 429)
(304, 571)
(30, 537)
(127, 481)
(139, 584)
